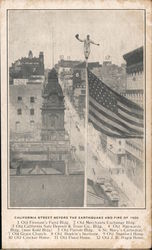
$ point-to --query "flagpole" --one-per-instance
(52, 47)
(86, 136)
(87, 43)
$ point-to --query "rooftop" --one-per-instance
(136, 52)
(90, 65)
(68, 63)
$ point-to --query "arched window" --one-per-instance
(32, 124)
(17, 126)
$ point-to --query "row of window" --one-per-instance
(136, 96)
(136, 73)
(18, 125)
(19, 111)
(31, 122)
(135, 150)
(32, 99)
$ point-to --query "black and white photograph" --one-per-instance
(76, 108)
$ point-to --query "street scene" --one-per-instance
(76, 109)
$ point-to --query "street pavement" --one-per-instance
(46, 191)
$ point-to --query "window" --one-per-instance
(83, 91)
(134, 78)
(17, 126)
(81, 148)
(19, 111)
(32, 124)
(19, 98)
(31, 111)
(119, 160)
(32, 99)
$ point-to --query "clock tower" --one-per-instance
(52, 110)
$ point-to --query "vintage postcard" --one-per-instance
(76, 124)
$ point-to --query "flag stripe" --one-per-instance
(121, 119)
(128, 103)
(139, 116)
(125, 118)
(112, 120)
(101, 128)
(105, 131)
(100, 117)
(108, 125)
(114, 117)
(132, 110)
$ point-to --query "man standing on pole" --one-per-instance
(87, 43)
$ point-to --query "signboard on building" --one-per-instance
(20, 81)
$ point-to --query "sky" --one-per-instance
(117, 31)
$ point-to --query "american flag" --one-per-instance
(113, 114)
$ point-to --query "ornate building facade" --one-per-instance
(135, 76)
(134, 160)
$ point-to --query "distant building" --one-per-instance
(113, 76)
(66, 66)
(65, 74)
(25, 67)
(79, 94)
(135, 76)
(79, 84)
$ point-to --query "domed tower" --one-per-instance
(52, 110)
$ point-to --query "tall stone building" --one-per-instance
(25, 102)
(26, 78)
(129, 153)
(134, 160)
